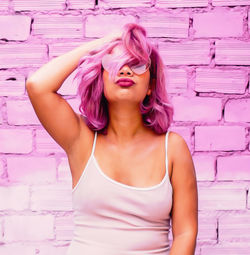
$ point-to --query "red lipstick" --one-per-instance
(125, 82)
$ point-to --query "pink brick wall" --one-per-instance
(205, 45)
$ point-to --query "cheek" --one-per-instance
(105, 78)
(145, 79)
(107, 83)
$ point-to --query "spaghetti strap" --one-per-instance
(93, 147)
(166, 150)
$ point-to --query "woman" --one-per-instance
(130, 174)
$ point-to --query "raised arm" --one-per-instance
(53, 111)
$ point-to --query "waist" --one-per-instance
(77, 248)
(144, 240)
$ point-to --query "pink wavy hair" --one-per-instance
(156, 110)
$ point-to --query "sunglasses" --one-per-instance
(138, 69)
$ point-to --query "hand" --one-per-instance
(116, 34)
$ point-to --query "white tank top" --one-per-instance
(112, 218)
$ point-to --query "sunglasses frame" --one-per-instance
(131, 67)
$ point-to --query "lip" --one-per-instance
(125, 82)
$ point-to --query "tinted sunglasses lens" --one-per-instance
(140, 69)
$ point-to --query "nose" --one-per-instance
(125, 70)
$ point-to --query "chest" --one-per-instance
(142, 165)
(139, 167)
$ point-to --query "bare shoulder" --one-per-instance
(178, 144)
(182, 158)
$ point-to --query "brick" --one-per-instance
(64, 173)
(221, 81)
(64, 227)
(15, 141)
(50, 248)
(31, 169)
(4, 4)
(232, 52)
(219, 23)
(181, 3)
(248, 21)
(170, 236)
(185, 53)
(45, 143)
(83, 4)
(234, 228)
(123, 4)
(204, 167)
(15, 225)
(161, 24)
(224, 185)
(41, 248)
(15, 248)
(237, 110)
(197, 108)
(207, 228)
(176, 80)
(21, 112)
(216, 138)
(248, 200)
(25, 55)
(108, 23)
(1, 167)
(14, 198)
(15, 27)
(1, 229)
(229, 249)
(233, 168)
(74, 103)
(51, 198)
(57, 49)
(1, 107)
(29, 5)
(58, 26)
(11, 83)
(219, 198)
(230, 2)
(197, 250)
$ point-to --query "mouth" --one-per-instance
(125, 82)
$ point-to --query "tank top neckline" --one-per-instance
(129, 186)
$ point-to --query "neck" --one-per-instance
(125, 124)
